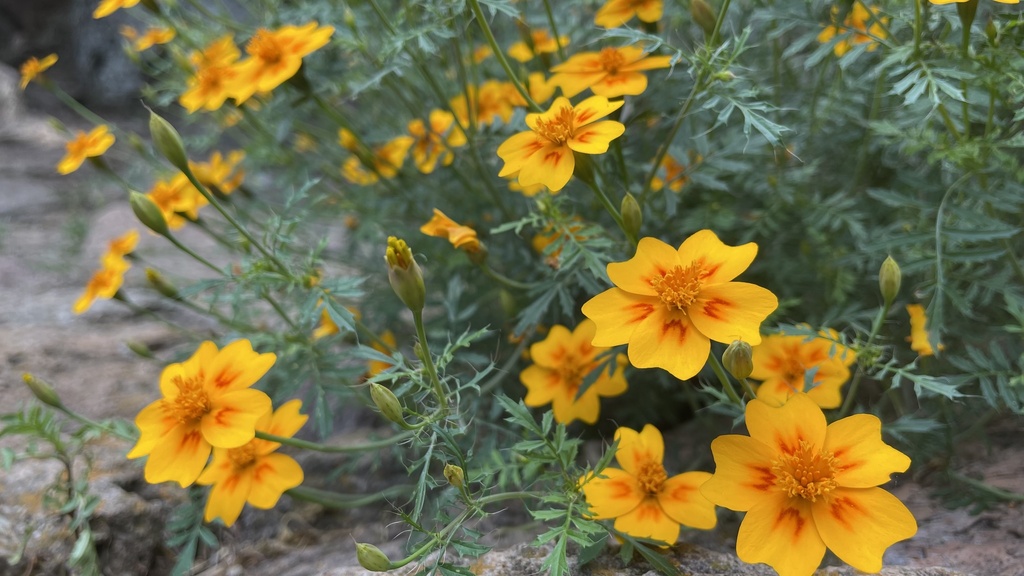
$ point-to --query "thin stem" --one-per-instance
(748, 388)
(348, 449)
(876, 327)
(189, 251)
(337, 500)
(428, 361)
(504, 280)
(993, 490)
(917, 27)
(99, 425)
(554, 29)
(500, 56)
(611, 209)
(724, 379)
(280, 311)
(965, 53)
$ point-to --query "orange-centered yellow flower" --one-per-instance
(209, 87)
(108, 7)
(806, 486)
(544, 154)
(560, 363)
(34, 67)
(124, 244)
(611, 72)
(177, 200)
(462, 237)
(152, 37)
(487, 103)
(387, 160)
(543, 43)
(920, 339)
(104, 283)
(669, 304)
(786, 365)
(643, 499)
(865, 25)
(83, 146)
(220, 174)
(615, 13)
(275, 56)
(207, 401)
(253, 472)
(435, 143)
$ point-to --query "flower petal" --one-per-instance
(517, 149)
(668, 340)
(743, 472)
(154, 424)
(237, 366)
(227, 497)
(542, 385)
(623, 83)
(681, 499)
(273, 474)
(179, 457)
(551, 166)
(613, 496)
(783, 428)
(732, 311)
(648, 520)
(859, 524)
(552, 351)
(595, 108)
(780, 532)
(232, 418)
(721, 262)
(864, 460)
(637, 448)
(617, 313)
(653, 259)
(594, 138)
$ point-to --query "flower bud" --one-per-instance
(404, 274)
(632, 215)
(161, 284)
(371, 558)
(167, 142)
(966, 11)
(889, 279)
(140, 349)
(43, 391)
(387, 403)
(147, 212)
(703, 15)
(738, 359)
(455, 475)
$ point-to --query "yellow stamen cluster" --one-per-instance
(651, 476)
(679, 287)
(192, 401)
(560, 128)
(611, 60)
(806, 473)
(243, 456)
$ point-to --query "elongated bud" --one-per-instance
(147, 213)
(43, 391)
(703, 15)
(966, 11)
(889, 279)
(387, 403)
(167, 141)
(371, 558)
(738, 359)
(404, 274)
(139, 348)
(161, 284)
(455, 475)
(632, 215)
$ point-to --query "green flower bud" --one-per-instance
(167, 142)
(703, 15)
(161, 284)
(966, 11)
(632, 215)
(371, 558)
(387, 403)
(43, 391)
(889, 279)
(738, 359)
(455, 475)
(147, 213)
(404, 274)
(140, 349)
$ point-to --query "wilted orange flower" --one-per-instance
(856, 22)
(675, 172)
(108, 7)
(104, 283)
(560, 363)
(462, 237)
(387, 161)
(786, 363)
(920, 339)
(668, 304)
(253, 472)
(544, 154)
(209, 87)
(207, 401)
(806, 486)
(543, 43)
(83, 146)
(177, 197)
(435, 143)
(611, 72)
(34, 67)
(615, 13)
(643, 499)
(219, 173)
(488, 102)
(374, 367)
(152, 37)
(275, 56)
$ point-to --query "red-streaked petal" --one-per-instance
(721, 262)
(859, 524)
(732, 311)
(233, 416)
(595, 108)
(273, 474)
(648, 520)
(237, 366)
(227, 497)
(517, 149)
(653, 259)
(863, 459)
(552, 351)
(636, 448)
(668, 340)
(743, 473)
(179, 457)
(617, 313)
(681, 499)
(621, 84)
(532, 120)
(780, 532)
(551, 166)
(594, 138)
(613, 496)
(783, 428)
(154, 424)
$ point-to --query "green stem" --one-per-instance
(280, 311)
(500, 56)
(748, 388)
(428, 361)
(504, 280)
(75, 105)
(120, 297)
(554, 29)
(189, 251)
(348, 449)
(98, 425)
(724, 379)
(609, 207)
(965, 53)
(917, 27)
(337, 500)
(993, 490)
(876, 327)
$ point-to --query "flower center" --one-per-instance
(572, 373)
(611, 60)
(243, 456)
(805, 473)
(651, 476)
(265, 47)
(793, 371)
(560, 128)
(192, 402)
(679, 287)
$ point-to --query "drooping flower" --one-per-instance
(220, 173)
(387, 161)
(866, 27)
(920, 339)
(615, 13)
(676, 173)
(275, 56)
(541, 42)
(33, 68)
(806, 486)
(643, 499)
(104, 283)
(435, 143)
(544, 154)
(152, 37)
(560, 363)
(668, 304)
(209, 86)
(83, 146)
(461, 237)
(253, 472)
(207, 401)
(108, 7)
(786, 364)
(611, 72)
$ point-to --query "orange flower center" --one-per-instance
(192, 401)
(679, 287)
(572, 373)
(793, 370)
(243, 456)
(651, 476)
(611, 60)
(265, 47)
(806, 473)
(560, 128)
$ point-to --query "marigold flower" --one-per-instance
(209, 87)
(482, 52)
(207, 401)
(462, 237)
(104, 283)
(176, 198)
(856, 21)
(435, 143)
(615, 13)
(83, 146)
(541, 89)
(252, 472)
(108, 7)
(676, 173)
(611, 72)
(275, 56)
(152, 37)
(220, 173)
(806, 486)
(920, 339)
(33, 68)
(668, 304)
(560, 363)
(124, 244)
(385, 346)
(543, 43)
(544, 154)
(644, 501)
(487, 103)
(784, 364)
(387, 161)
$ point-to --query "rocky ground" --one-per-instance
(52, 230)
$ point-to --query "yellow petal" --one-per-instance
(648, 520)
(721, 263)
(668, 340)
(567, 408)
(517, 150)
(780, 532)
(859, 524)
(783, 428)
(594, 108)
(649, 10)
(237, 366)
(743, 472)
(617, 313)
(732, 311)
(552, 351)
(542, 385)
(232, 418)
(622, 83)
(179, 457)
(864, 460)
(648, 63)
(272, 476)
(637, 448)
(681, 499)
(227, 497)
(551, 166)
(594, 138)
(154, 424)
(653, 259)
(614, 13)
(613, 496)
(285, 421)
(220, 467)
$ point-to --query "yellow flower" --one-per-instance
(560, 363)
(177, 197)
(252, 472)
(207, 401)
(611, 72)
(275, 56)
(83, 146)
(152, 37)
(374, 367)
(481, 53)
(669, 304)
(462, 237)
(34, 67)
(219, 173)
(676, 172)
(644, 501)
(544, 154)
(432, 145)
(488, 102)
(387, 161)
(806, 485)
(920, 339)
(549, 236)
(104, 283)
(857, 22)
(108, 7)
(543, 43)
(528, 191)
(209, 87)
(784, 362)
(615, 13)
(124, 244)
(541, 89)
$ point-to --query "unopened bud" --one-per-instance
(148, 213)
(966, 11)
(703, 15)
(139, 348)
(455, 475)
(738, 359)
(404, 274)
(43, 391)
(371, 558)
(632, 215)
(889, 279)
(167, 142)
(387, 403)
(161, 284)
